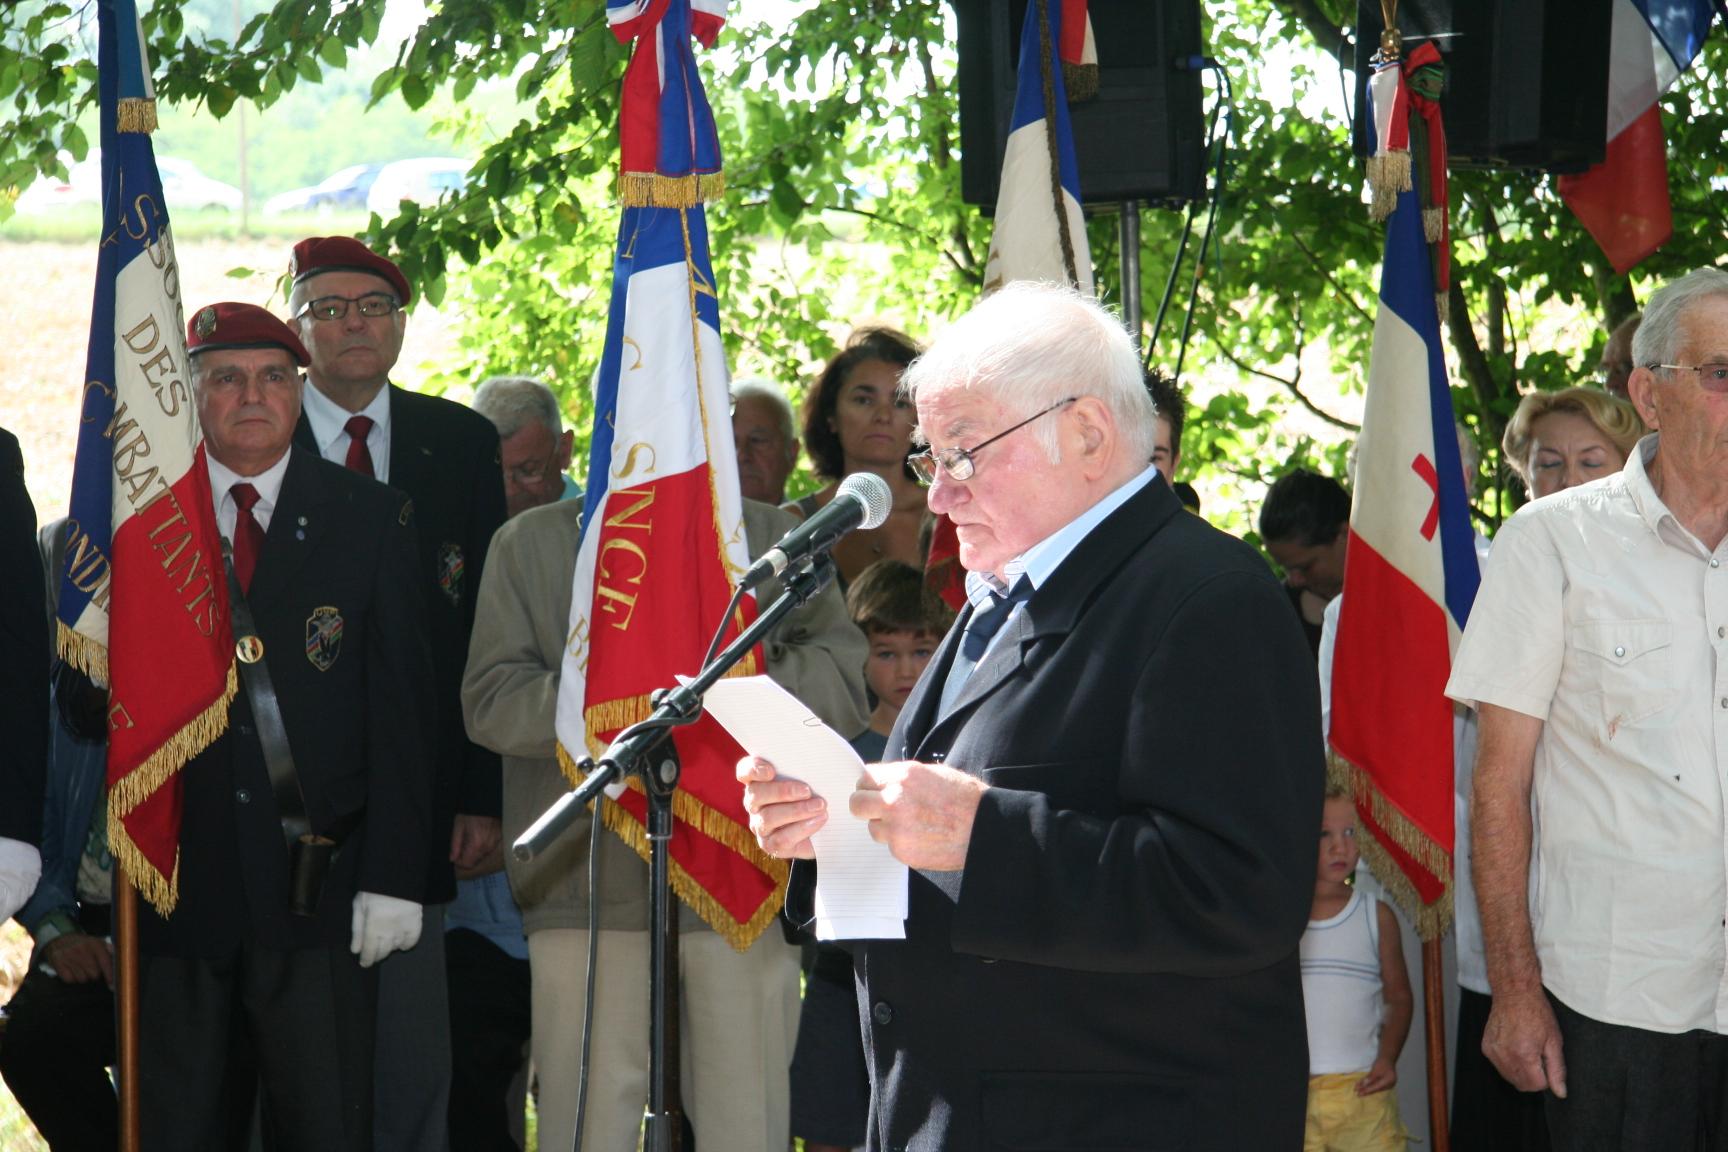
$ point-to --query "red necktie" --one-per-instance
(359, 457)
(248, 534)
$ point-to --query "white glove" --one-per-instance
(382, 925)
(20, 868)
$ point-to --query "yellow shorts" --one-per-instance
(1341, 1121)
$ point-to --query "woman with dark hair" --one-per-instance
(856, 420)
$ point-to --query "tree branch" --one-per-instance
(1328, 34)
(1294, 387)
(1320, 266)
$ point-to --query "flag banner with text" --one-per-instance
(1410, 578)
(663, 527)
(142, 603)
(1040, 232)
(1623, 202)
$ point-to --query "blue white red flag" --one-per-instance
(142, 604)
(1410, 578)
(1040, 231)
(1623, 201)
(663, 528)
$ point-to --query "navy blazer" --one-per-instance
(344, 636)
(445, 457)
(24, 655)
(1116, 965)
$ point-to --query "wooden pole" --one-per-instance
(126, 989)
(1434, 1015)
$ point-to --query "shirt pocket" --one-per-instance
(1628, 665)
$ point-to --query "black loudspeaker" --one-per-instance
(1526, 80)
(1141, 138)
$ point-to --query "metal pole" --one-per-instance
(126, 941)
(1128, 229)
(664, 1130)
(1434, 1015)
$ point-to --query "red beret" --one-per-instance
(317, 254)
(231, 325)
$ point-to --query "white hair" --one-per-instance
(512, 401)
(757, 388)
(1657, 340)
(1030, 346)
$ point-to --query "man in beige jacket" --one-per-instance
(739, 1010)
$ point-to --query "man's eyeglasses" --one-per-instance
(957, 462)
(528, 475)
(372, 305)
(1712, 377)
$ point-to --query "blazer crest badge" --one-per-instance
(451, 565)
(323, 637)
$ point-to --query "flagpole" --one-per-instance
(126, 993)
(1434, 1016)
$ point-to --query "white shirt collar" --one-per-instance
(329, 422)
(268, 483)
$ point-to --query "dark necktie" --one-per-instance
(248, 534)
(986, 622)
(359, 456)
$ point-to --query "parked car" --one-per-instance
(188, 190)
(424, 180)
(82, 185)
(345, 190)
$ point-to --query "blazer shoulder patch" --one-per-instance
(406, 514)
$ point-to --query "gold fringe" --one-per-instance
(124, 795)
(1388, 175)
(1443, 305)
(142, 782)
(137, 115)
(1080, 81)
(614, 715)
(83, 653)
(1431, 920)
(163, 892)
(684, 886)
(652, 190)
(712, 823)
(1433, 223)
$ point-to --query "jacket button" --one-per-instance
(243, 729)
(242, 796)
(882, 1012)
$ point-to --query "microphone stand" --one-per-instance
(646, 751)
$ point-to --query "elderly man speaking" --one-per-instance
(1594, 655)
(1107, 783)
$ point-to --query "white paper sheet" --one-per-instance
(860, 887)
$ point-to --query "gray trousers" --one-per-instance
(411, 1079)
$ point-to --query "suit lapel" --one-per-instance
(413, 466)
(299, 520)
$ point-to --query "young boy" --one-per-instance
(1357, 996)
(903, 622)
(830, 1084)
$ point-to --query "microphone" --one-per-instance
(863, 501)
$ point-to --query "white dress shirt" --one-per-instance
(329, 422)
(1602, 616)
(268, 484)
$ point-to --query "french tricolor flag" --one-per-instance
(663, 526)
(1409, 580)
(1623, 201)
(1040, 231)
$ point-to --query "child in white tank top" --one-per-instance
(1356, 993)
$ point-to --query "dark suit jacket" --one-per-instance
(339, 552)
(1116, 966)
(445, 457)
(24, 653)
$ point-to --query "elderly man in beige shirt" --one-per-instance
(1593, 654)
(740, 1010)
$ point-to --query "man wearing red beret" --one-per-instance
(330, 614)
(347, 302)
